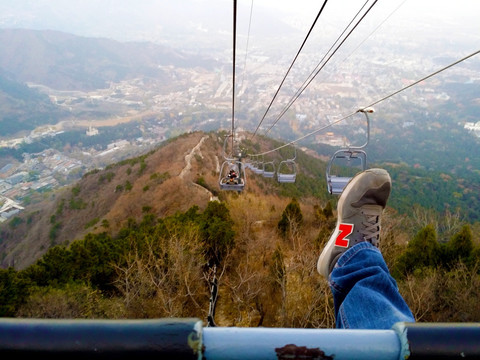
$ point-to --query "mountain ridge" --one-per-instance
(68, 62)
(183, 172)
(160, 182)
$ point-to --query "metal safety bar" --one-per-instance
(173, 338)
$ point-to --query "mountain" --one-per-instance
(111, 196)
(67, 62)
(146, 241)
(23, 108)
(191, 25)
(179, 174)
(183, 172)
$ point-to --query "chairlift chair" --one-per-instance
(290, 165)
(253, 163)
(284, 177)
(237, 184)
(259, 169)
(335, 183)
(224, 181)
(269, 169)
(259, 166)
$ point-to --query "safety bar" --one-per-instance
(173, 338)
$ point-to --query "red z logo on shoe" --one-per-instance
(344, 231)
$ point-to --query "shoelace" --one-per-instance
(371, 232)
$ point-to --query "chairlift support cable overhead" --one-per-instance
(372, 104)
(291, 65)
(233, 69)
(302, 89)
(246, 48)
(374, 30)
(311, 75)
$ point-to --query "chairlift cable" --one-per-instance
(425, 78)
(315, 69)
(374, 103)
(291, 65)
(318, 71)
(374, 30)
(246, 49)
(233, 75)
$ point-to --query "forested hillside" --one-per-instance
(146, 237)
(23, 108)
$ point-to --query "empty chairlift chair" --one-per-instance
(287, 170)
(269, 169)
(254, 163)
(259, 168)
(354, 160)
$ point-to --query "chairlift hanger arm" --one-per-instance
(225, 148)
(366, 111)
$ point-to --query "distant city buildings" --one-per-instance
(8, 208)
(198, 100)
(473, 127)
(91, 131)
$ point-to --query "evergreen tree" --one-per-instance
(14, 290)
(217, 232)
(459, 248)
(291, 217)
(422, 251)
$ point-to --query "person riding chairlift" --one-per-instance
(232, 176)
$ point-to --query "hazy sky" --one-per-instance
(443, 27)
(464, 13)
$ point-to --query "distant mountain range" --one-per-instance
(66, 62)
(188, 25)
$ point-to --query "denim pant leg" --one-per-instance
(364, 293)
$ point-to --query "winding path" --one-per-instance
(188, 166)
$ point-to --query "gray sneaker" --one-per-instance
(359, 211)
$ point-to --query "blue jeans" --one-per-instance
(364, 293)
